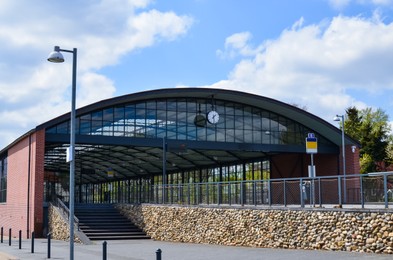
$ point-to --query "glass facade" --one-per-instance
(3, 180)
(257, 170)
(139, 176)
(187, 119)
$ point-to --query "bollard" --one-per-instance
(9, 237)
(32, 242)
(49, 237)
(158, 254)
(104, 252)
(2, 235)
(20, 239)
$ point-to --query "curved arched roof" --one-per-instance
(137, 157)
(301, 116)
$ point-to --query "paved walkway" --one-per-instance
(146, 250)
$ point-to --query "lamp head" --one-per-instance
(56, 56)
(337, 118)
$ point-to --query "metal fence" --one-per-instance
(374, 190)
(365, 190)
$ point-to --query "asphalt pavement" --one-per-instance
(147, 250)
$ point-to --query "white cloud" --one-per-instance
(237, 44)
(33, 90)
(317, 65)
(93, 87)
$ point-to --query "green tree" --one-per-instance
(371, 128)
(353, 123)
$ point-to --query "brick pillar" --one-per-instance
(352, 163)
(38, 173)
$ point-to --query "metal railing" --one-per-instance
(374, 190)
(65, 211)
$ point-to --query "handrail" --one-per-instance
(352, 189)
(66, 211)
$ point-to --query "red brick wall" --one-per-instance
(296, 165)
(38, 181)
(13, 213)
(352, 165)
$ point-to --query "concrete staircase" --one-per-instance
(104, 222)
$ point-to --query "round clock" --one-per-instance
(213, 117)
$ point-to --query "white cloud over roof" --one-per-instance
(315, 65)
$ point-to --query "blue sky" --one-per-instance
(325, 55)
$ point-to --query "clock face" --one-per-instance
(213, 117)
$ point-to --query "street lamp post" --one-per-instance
(57, 57)
(342, 119)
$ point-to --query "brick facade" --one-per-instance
(23, 210)
(296, 165)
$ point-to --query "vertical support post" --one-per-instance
(339, 191)
(242, 192)
(344, 163)
(189, 193)
(312, 183)
(207, 193)
(342, 119)
(361, 191)
(198, 194)
(385, 190)
(32, 242)
(49, 238)
(218, 193)
(20, 239)
(104, 250)
(2, 233)
(270, 192)
(128, 190)
(320, 192)
(312, 175)
(254, 192)
(158, 254)
(164, 148)
(229, 194)
(301, 193)
(72, 150)
(9, 237)
(285, 193)
(171, 192)
(101, 193)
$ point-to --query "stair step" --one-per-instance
(92, 231)
(107, 227)
(119, 238)
(104, 222)
(100, 216)
(97, 211)
(115, 234)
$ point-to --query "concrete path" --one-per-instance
(146, 250)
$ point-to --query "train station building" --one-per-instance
(129, 146)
